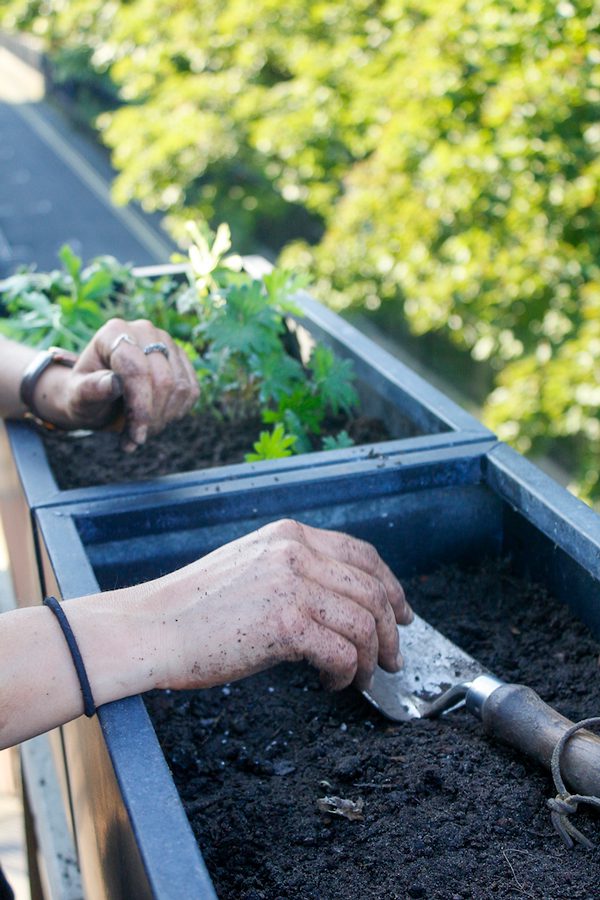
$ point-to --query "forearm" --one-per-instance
(15, 359)
(39, 687)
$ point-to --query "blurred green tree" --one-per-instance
(440, 158)
(478, 210)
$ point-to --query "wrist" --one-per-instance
(116, 633)
(48, 398)
(43, 387)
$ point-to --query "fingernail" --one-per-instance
(369, 686)
(110, 385)
(140, 434)
(106, 385)
(129, 446)
(411, 614)
(116, 386)
(399, 662)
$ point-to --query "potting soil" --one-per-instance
(425, 809)
(196, 442)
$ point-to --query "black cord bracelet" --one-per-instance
(89, 707)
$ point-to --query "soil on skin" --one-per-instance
(447, 812)
(196, 442)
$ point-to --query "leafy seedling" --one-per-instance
(272, 445)
(231, 324)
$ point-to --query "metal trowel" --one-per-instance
(438, 676)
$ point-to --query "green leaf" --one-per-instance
(278, 373)
(71, 262)
(307, 408)
(98, 285)
(272, 445)
(281, 286)
(333, 378)
(246, 324)
(338, 441)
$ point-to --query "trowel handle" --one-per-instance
(515, 714)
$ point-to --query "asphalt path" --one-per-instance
(55, 186)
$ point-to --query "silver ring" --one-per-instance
(121, 339)
(157, 347)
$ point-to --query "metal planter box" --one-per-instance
(387, 389)
(421, 509)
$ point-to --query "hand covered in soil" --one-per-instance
(131, 376)
(285, 592)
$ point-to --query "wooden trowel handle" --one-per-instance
(516, 715)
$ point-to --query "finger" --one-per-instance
(156, 387)
(174, 383)
(158, 348)
(364, 556)
(107, 340)
(346, 549)
(363, 589)
(189, 369)
(149, 381)
(138, 397)
(332, 654)
(184, 391)
(116, 346)
(102, 387)
(92, 398)
(147, 378)
(353, 622)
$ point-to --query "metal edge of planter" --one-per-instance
(41, 489)
(120, 536)
(212, 502)
(128, 848)
(570, 525)
(543, 500)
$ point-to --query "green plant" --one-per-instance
(62, 307)
(272, 445)
(337, 442)
(231, 323)
(240, 337)
(67, 306)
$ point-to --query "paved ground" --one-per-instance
(55, 185)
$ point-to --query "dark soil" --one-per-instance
(196, 442)
(447, 813)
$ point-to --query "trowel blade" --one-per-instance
(432, 665)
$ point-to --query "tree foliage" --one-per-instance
(449, 150)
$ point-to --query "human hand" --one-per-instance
(118, 374)
(285, 592)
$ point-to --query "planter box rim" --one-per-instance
(41, 488)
